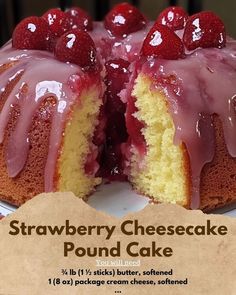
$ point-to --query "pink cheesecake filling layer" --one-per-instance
(117, 54)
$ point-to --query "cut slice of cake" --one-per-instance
(181, 117)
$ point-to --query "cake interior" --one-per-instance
(161, 172)
(78, 145)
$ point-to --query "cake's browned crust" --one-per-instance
(187, 175)
(218, 178)
(30, 181)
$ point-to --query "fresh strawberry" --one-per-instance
(124, 19)
(162, 42)
(174, 17)
(76, 46)
(79, 19)
(204, 29)
(31, 33)
(58, 21)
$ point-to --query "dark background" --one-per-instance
(12, 11)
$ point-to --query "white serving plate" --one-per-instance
(117, 199)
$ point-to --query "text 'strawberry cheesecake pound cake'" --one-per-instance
(124, 99)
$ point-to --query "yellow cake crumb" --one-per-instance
(78, 135)
(162, 174)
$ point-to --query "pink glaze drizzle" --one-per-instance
(44, 77)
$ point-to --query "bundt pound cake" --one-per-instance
(124, 99)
